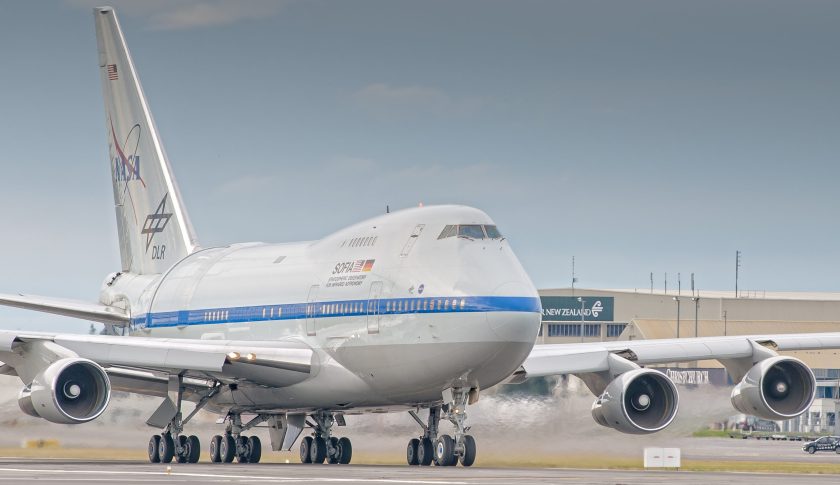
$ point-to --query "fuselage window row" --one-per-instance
(411, 305)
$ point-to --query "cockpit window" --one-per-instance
(448, 231)
(472, 231)
(492, 232)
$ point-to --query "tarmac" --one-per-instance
(17, 470)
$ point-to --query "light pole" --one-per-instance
(696, 300)
(724, 323)
(582, 303)
(677, 299)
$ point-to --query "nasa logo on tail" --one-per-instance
(155, 224)
(125, 158)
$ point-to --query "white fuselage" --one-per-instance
(394, 313)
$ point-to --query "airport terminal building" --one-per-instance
(591, 315)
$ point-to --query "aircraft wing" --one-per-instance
(554, 359)
(96, 312)
(135, 360)
(633, 399)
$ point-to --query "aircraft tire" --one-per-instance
(346, 448)
(468, 458)
(411, 452)
(227, 448)
(194, 445)
(154, 444)
(242, 444)
(166, 450)
(184, 456)
(445, 451)
(318, 451)
(305, 449)
(215, 445)
(333, 459)
(254, 449)
(425, 452)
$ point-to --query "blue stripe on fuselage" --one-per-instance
(339, 308)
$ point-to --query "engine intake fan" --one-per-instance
(639, 401)
(776, 388)
(69, 391)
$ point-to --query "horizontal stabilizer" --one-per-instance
(95, 312)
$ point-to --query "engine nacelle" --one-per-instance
(639, 401)
(69, 391)
(776, 388)
(25, 402)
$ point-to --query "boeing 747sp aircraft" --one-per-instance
(415, 311)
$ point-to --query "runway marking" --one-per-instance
(89, 479)
(240, 477)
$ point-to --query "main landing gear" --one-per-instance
(162, 448)
(322, 446)
(444, 450)
(171, 443)
(232, 445)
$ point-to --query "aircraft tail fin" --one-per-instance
(154, 229)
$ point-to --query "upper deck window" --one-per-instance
(472, 231)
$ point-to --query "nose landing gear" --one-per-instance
(445, 450)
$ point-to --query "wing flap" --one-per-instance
(150, 383)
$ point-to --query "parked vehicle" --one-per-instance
(826, 443)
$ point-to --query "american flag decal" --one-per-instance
(112, 72)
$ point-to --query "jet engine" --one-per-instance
(69, 391)
(775, 388)
(639, 401)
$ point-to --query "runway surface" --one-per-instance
(16, 470)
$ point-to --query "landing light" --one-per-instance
(233, 355)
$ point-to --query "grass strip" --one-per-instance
(488, 460)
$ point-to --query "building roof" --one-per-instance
(727, 294)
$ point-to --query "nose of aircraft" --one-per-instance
(518, 324)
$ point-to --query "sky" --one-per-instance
(635, 136)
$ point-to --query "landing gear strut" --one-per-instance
(445, 450)
(322, 446)
(420, 451)
(171, 443)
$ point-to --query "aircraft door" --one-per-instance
(373, 307)
(412, 240)
(310, 309)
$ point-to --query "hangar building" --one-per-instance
(592, 315)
